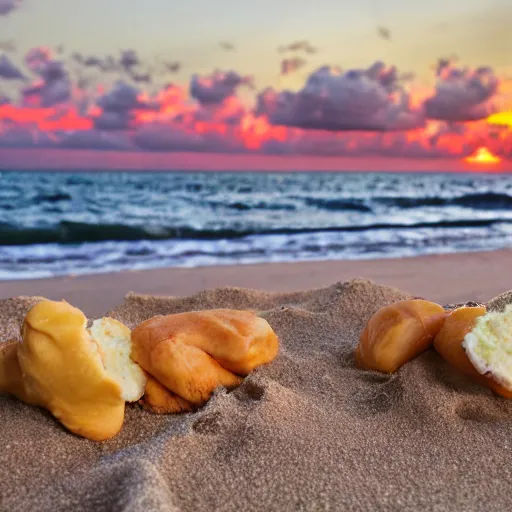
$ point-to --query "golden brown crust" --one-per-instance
(56, 367)
(193, 353)
(160, 400)
(448, 343)
(397, 333)
(11, 378)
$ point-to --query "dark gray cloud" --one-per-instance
(106, 64)
(298, 46)
(172, 67)
(94, 62)
(123, 97)
(128, 64)
(129, 59)
(370, 99)
(118, 106)
(384, 33)
(8, 6)
(47, 94)
(462, 94)
(53, 85)
(8, 70)
(291, 65)
(144, 78)
(37, 58)
(217, 87)
(78, 57)
(134, 67)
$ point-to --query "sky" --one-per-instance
(288, 78)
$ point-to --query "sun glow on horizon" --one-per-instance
(483, 156)
(501, 119)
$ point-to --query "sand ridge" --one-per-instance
(307, 432)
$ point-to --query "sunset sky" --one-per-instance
(330, 78)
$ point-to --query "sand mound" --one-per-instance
(308, 432)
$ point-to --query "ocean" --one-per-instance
(54, 224)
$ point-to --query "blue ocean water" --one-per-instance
(75, 223)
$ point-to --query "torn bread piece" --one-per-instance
(449, 344)
(83, 378)
(115, 346)
(489, 346)
(160, 400)
(397, 333)
(193, 353)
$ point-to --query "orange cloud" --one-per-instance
(213, 118)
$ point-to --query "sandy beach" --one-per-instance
(442, 278)
(307, 432)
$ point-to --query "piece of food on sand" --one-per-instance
(479, 344)
(193, 353)
(83, 377)
(11, 377)
(160, 400)
(448, 342)
(397, 333)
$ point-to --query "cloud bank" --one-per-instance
(123, 103)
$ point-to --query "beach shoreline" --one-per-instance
(445, 278)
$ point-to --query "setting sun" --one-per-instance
(483, 156)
